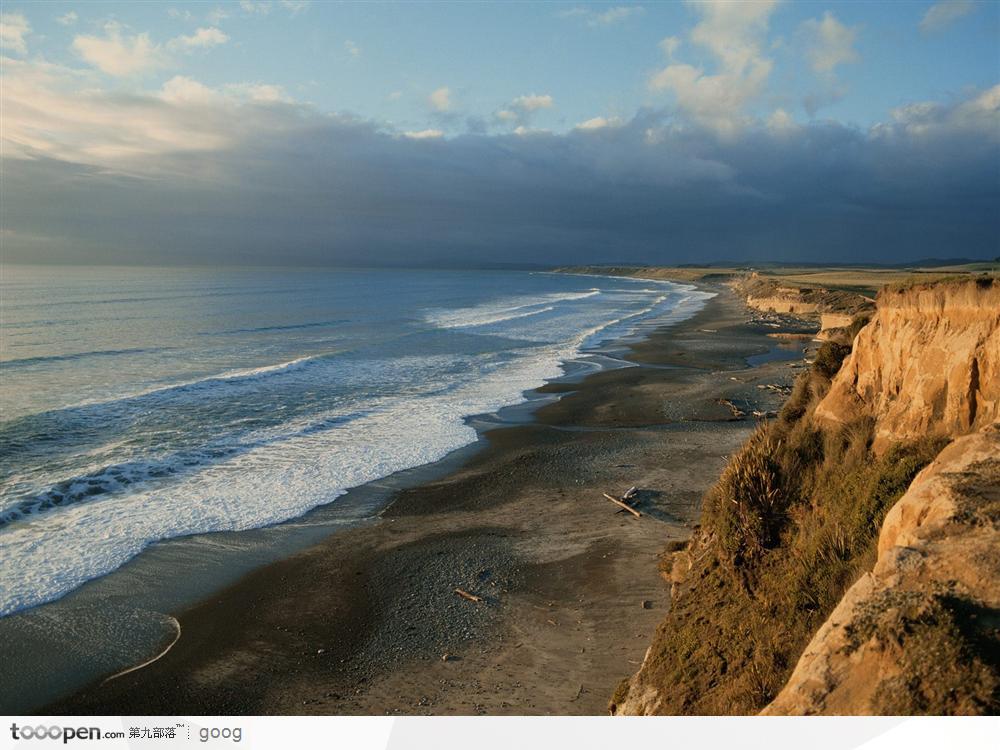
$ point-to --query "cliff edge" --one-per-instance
(927, 363)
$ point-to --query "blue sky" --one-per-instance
(383, 60)
(317, 132)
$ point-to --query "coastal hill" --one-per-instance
(832, 572)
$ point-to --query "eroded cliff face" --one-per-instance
(927, 364)
(920, 633)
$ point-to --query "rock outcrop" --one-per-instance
(920, 633)
(927, 364)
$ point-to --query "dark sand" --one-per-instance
(362, 622)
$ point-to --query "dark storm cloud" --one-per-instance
(303, 188)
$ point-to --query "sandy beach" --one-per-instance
(368, 621)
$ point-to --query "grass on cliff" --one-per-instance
(790, 525)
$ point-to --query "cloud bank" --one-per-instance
(242, 174)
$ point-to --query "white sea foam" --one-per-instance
(501, 311)
(246, 375)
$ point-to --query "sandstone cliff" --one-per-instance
(834, 308)
(920, 631)
(927, 363)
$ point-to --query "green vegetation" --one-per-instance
(790, 525)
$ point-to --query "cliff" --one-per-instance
(832, 572)
(834, 308)
(918, 634)
(928, 363)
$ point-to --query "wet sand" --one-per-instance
(367, 621)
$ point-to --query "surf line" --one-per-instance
(146, 663)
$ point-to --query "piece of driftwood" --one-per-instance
(467, 595)
(620, 504)
(630, 493)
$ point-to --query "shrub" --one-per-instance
(750, 503)
(829, 358)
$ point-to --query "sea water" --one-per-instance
(139, 405)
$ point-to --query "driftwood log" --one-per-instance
(620, 504)
(467, 595)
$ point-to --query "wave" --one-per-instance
(231, 376)
(101, 482)
(266, 329)
(32, 361)
(498, 317)
(499, 312)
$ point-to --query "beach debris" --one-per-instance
(647, 604)
(470, 597)
(784, 390)
(630, 493)
(621, 504)
(738, 413)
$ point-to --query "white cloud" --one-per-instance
(670, 45)
(65, 114)
(260, 92)
(943, 14)
(295, 6)
(421, 135)
(394, 96)
(202, 38)
(440, 99)
(532, 102)
(183, 89)
(610, 16)
(734, 33)
(352, 49)
(255, 7)
(829, 43)
(781, 122)
(522, 108)
(67, 19)
(13, 28)
(119, 54)
(978, 114)
(179, 15)
(217, 15)
(599, 123)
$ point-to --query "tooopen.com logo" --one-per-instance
(42, 732)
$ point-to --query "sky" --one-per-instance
(316, 133)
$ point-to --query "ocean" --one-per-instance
(139, 405)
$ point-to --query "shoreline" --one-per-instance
(359, 623)
(120, 619)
